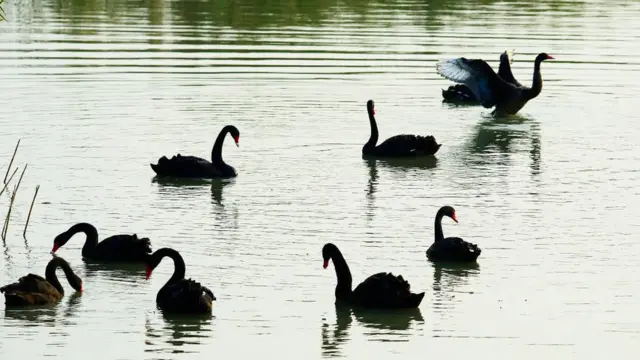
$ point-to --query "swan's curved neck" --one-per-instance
(343, 288)
(92, 236)
(50, 273)
(536, 86)
(216, 152)
(373, 139)
(178, 264)
(438, 227)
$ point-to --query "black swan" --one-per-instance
(460, 93)
(450, 249)
(399, 145)
(116, 248)
(195, 167)
(489, 88)
(179, 295)
(382, 290)
(34, 290)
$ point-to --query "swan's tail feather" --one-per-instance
(145, 244)
(428, 144)
(458, 92)
(416, 299)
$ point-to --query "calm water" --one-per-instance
(97, 90)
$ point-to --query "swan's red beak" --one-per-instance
(325, 264)
(55, 248)
(237, 140)
(454, 217)
(550, 57)
(148, 272)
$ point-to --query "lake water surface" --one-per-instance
(97, 90)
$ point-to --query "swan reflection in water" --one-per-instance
(131, 272)
(401, 165)
(185, 185)
(177, 333)
(446, 278)
(387, 325)
(506, 136)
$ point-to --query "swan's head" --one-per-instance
(371, 107)
(543, 56)
(235, 133)
(76, 283)
(449, 211)
(150, 263)
(60, 240)
(327, 252)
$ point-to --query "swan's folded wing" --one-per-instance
(21, 298)
(30, 283)
(409, 144)
(456, 245)
(485, 84)
(190, 292)
(383, 290)
(123, 247)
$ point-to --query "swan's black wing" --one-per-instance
(453, 249)
(485, 84)
(504, 71)
(123, 248)
(385, 290)
(408, 145)
(31, 289)
(185, 166)
(186, 295)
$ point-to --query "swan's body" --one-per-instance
(488, 87)
(452, 249)
(117, 248)
(399, 145)
(382, 290)
(33, 289)
(195, 167)
(462, 94)
(179, 295)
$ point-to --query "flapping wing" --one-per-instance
(485, 84)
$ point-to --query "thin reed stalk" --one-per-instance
(6, 220)
(8, 182)
(14, 154)
(24, 232)
(13, 198)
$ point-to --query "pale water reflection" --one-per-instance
(177, 334)
(383, 326)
